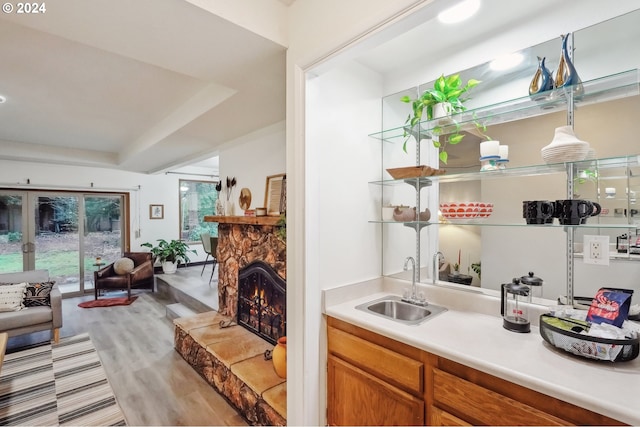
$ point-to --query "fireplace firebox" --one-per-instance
(262, 301)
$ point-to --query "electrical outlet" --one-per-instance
(596, 250)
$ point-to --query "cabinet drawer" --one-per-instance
(392, 367)
(478, 405)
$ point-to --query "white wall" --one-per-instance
(251, 159)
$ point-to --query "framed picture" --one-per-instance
(156, 211)
(275, 194)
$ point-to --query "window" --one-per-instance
(197, 199)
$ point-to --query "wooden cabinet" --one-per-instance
(482, 399)
(374, 380)
(359, 398)
(443, 418)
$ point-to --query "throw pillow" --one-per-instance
(123, 266)
(12, 297)
(37, 294)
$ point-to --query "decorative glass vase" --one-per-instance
(542, 80)
(279, 357)
(219, 206)
(566, 74)
(230, 208)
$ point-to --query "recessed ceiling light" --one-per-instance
(459, 12)
(505, 62)
(2, 99)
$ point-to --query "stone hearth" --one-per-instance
(232, 361)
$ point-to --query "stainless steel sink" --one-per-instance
(393, 308)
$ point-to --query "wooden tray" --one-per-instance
(414, 172)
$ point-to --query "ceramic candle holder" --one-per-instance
(490, 149)
(504, 152)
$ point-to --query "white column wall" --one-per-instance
(318, 27)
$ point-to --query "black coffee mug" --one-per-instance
(595, 210)
(573, 211)
(538, 211)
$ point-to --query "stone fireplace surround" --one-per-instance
(242, 240)
(232, 359)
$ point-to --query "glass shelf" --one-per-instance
(607, 88)
(519, 171)
(421, 224)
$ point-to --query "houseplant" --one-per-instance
(170, 254)
(447, 90)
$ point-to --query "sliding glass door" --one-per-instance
(13, 252)
(103, 236)
(69, 234)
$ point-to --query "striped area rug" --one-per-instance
(57, 384)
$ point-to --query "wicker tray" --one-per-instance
(414, 172)
(586, 346)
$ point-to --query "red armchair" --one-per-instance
(141, 277)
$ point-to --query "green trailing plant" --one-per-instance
(481, 128)
(173, 251)
(585, 176)
(445, 89)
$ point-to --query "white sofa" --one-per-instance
(32, 319)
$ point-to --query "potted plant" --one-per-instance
(477, 268)
(447, 90)
(170, 254)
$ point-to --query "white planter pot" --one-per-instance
(442, 109)
(169, 267)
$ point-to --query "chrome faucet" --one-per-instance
(413, 298)
(436, 266)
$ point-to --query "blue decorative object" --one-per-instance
(566, 75)
(542, 80)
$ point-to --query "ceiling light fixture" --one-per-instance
(3, 99)
(507, 61)
(459, 12)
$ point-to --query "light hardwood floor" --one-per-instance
(151, 381)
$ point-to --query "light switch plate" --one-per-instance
(596, 250)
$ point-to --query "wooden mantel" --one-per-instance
(248, 220)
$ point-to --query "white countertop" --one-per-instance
(470, 333)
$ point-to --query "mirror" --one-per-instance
(610, 128)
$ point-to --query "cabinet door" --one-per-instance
(358, 398)
(439, 417)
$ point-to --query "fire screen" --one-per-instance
(262, 301)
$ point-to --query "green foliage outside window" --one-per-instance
(197, 199)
